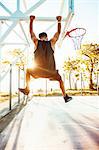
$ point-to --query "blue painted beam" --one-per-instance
(18, 34)
(18, 4)
(71, 6)
(24, 33)
(5, 8)
(24, 18)
(2, 38)
(34, 7)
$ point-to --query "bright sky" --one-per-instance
(86, 15)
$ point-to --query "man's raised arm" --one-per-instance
(56, 35)
(33, 36)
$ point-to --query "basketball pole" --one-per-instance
(81, 83)
(18, 85)
(67, 23)
(10, 88)
(97, 82)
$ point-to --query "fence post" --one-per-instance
(24, 80)
(97, 82)
(18, 84)
(46, 87)
(10, 88)
(81, 84)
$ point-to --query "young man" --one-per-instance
(44, 59)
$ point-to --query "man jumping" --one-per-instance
(44, 59)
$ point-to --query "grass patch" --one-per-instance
(72, 92)
(86, 92)
(5, 96)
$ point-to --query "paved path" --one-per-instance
(50, 124)
(4, 106)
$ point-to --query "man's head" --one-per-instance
(43, 36)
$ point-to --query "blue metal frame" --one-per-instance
(71, 6)
(5, 8)
(34, 7)
(18, 15)
(24, 34)
(8, 31)
(18, 4)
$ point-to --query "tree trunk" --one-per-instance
(76, 85)
(91, 81)
(70, 79)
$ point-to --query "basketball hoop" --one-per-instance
(76, 35)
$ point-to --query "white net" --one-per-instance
(76, 35)
(77, 42)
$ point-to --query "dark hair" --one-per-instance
(43, 34)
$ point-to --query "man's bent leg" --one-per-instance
(66, 97)
(61, 83)
(35, 73)
(26, 90)
(62, 87)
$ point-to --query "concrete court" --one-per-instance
(50, 124)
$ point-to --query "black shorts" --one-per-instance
(44, 73)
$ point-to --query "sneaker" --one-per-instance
(24, 91)
(67, 98)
